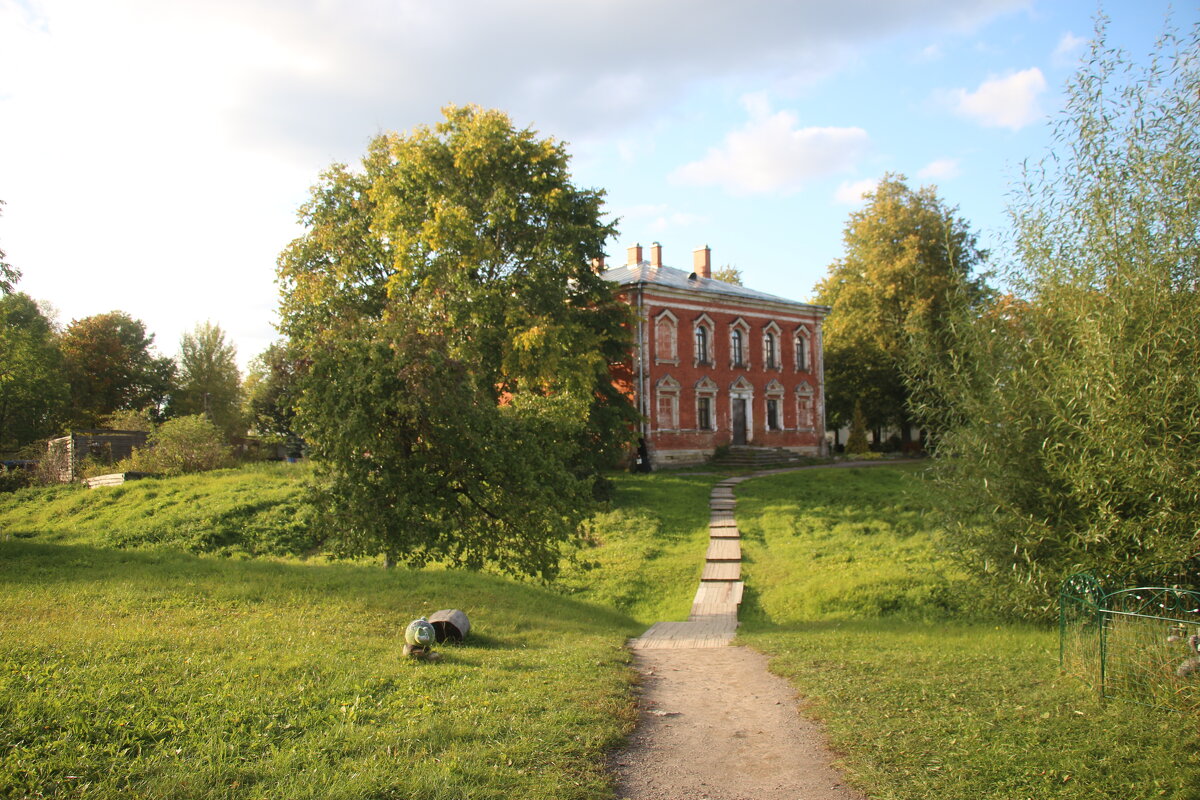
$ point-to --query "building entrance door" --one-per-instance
(739, 420)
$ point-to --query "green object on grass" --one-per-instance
(419, 633)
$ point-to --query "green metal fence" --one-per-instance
(1135, 636)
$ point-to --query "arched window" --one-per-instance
(770, 351)
(667, 403)
(803, 349)
(738, 347)
(701, 344)
(664, 338)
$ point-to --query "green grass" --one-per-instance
(162, 675)
(922, 696)
(257, 509)
(155, 673)
(648, 549)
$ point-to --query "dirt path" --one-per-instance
(715, 724)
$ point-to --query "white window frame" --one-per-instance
(704, 322)
(771, 352)
(706, 389)
(667, 389)
(665, 320)
(741, 325)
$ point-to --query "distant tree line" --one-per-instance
(102, 371)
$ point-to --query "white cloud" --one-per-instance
(931, 52)
(940, 169)
(1068, 50)
(659, 218)
(772, 154)
(852, 193)
(1006, 102)
(167, 145)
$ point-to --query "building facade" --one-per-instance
(718, 364)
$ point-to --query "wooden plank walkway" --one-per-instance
(713, 619)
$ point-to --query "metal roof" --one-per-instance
(630, 275)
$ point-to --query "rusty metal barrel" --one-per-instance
(450, 624)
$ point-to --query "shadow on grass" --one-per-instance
(150, 578)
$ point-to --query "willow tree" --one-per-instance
(1077, 400)
(910, 263)
(457, 343)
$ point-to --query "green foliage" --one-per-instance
(110, 367)
(1075, 402)
(33, 394)
(182, 445)
(921, 694)
(158, 675)
(12, 479)
(729, 274)
(456, 344)
(415, 460)
(270, 395)
(856, 442)
(129, 420)
(208, 381)
(909, 264)
(9, 275)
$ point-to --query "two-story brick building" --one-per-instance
(719, 364)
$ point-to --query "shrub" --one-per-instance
(183, 444)
(12, 479)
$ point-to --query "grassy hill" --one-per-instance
(923, 693)
(143, 655)
(138, 659)
(165, 675)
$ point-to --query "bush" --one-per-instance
(180, 445)
(12, 479)
(1074, 434)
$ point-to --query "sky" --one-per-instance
(153, 154)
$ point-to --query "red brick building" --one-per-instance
(719, 364)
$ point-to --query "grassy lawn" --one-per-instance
(135, 661)
(647, 551)
(164, 675)
(924, 698)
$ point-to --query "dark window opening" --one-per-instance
(704, 413)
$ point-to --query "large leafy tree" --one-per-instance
(110, 366)
(910, 262)
(456, 343)
(33, 393)
(9, 275)
(1076, 400)
(209, 381)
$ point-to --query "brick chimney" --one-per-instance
(656, 255)
(635, 255)
(702, 261)
(598, 264)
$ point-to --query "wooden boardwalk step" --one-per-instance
(725, 593)
(722, 571)
(723, 550)
(716, 631)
